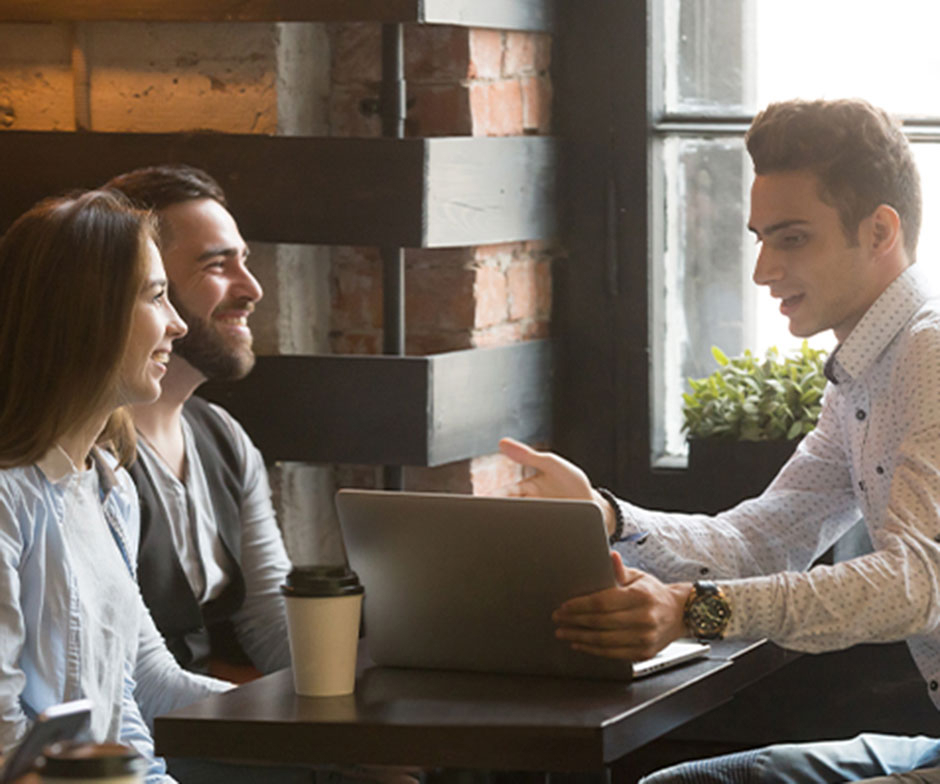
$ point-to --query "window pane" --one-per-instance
(699, 292)
(735, 56)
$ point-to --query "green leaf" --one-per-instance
(719, 356)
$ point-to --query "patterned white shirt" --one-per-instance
(875, 453)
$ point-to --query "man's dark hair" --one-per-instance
(158, 187)
(858, 153)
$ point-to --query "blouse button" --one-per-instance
(934, 685)
(703, 571)
(861, 485)
(879, 470)
(860, 415)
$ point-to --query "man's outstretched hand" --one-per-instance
(553, 477)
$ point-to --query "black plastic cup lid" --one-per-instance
(322, 581)
(90, 760)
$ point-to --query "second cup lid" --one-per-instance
(322, 580)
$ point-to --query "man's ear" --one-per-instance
(885, 229)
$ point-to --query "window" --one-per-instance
(722, 60)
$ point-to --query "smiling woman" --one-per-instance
(85, 327)
(75, 275)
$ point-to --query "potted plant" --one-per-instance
(744, 421)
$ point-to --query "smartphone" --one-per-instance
(59, 722)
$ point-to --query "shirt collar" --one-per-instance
(56, 466)
(878, 327)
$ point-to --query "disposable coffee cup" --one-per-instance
(91, 763)
(324, 604)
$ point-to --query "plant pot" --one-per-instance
(724, 471)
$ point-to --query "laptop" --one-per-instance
(470, 583)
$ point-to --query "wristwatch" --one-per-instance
(707, 611)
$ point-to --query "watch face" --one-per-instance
(708, 615)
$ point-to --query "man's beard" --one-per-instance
(207, 350)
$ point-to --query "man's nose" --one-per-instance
(766, 269)
(248, 285)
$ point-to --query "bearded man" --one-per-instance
(211, 557)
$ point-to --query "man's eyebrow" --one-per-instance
(211, 253)
(776, 227)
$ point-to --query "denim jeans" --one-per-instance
(865, 757)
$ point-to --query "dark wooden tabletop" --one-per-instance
(457, 719)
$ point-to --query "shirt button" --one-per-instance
(703, 571)
(860, 415)
(934, 685)
(861, 485)
(879, 470)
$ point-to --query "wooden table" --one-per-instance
(461, 720)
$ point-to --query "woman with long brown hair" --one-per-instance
(85, 329)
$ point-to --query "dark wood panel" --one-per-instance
(289, 189)
(392, 192)
(503, 188)
(514, 14)
(392, 410)
(478, 396)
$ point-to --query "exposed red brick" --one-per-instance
(439, 110)
(347, 117)
(519, 55)
(500, 335)
(492, 296)
(535, 330)
(436, 53)
(439, 297)
(355, 290)
(521, 279)
(536, 103)
(496, 108)
(420, 344)
(486, 54)
(543, 52)
(356, 52)
(356, 342)
(543, 289)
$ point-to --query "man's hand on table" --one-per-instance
(634, 620)
(554, 477)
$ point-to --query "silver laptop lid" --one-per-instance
(469, 582)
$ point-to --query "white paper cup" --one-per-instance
(324, 604)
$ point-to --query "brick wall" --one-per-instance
(460, 83)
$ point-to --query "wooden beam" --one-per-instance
(396, 192)
(393, 410)
(502, 14)
(501, 188)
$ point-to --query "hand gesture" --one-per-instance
(553, 477)
(634, 620)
